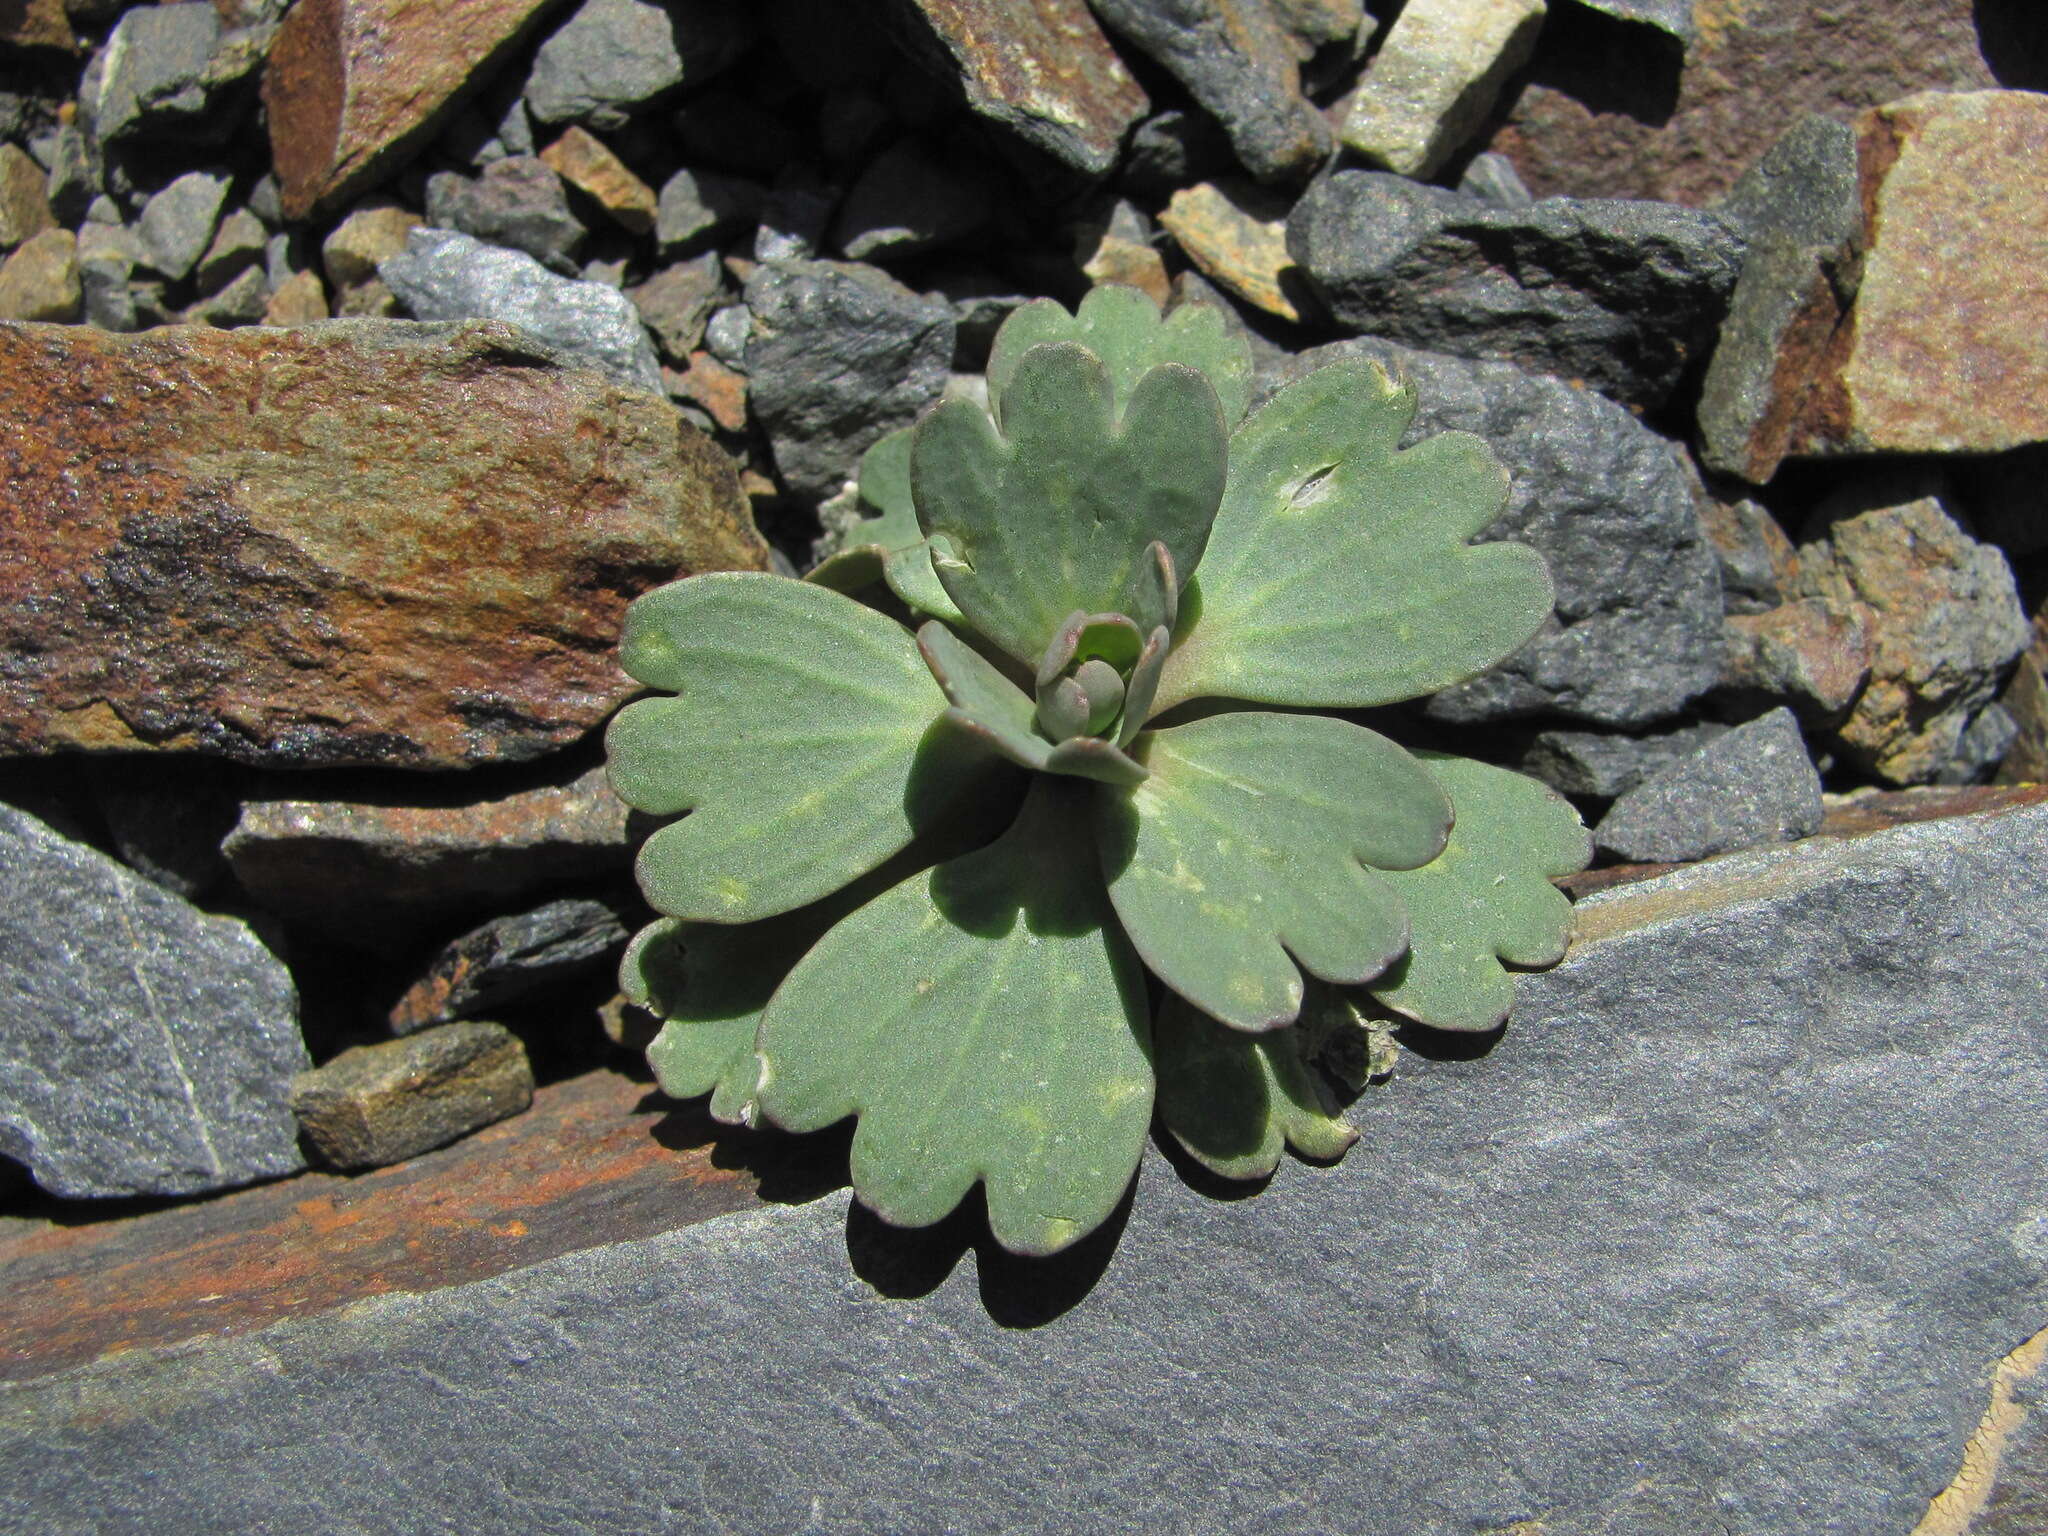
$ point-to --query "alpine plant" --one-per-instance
(993, 841)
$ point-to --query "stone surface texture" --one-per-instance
(177, 223)
(444, 275)
(517, 202)
(364, 542)
(1943, 350)
(1813, 653)
(1602, 766)
(588, 164)
(374, 1105)
(614, 56)
(156, 72)
(1753, 784)
(1673, 16)
(1236, 232)
(675, 302)
(1041, 69)
(1947, 621)
(839, 354)
(353, 87)
(1239, 64)
(508, 958)
(1620, 294)
(1612, 508)
(40, 281)
(146, 1048)
(1704, 1216)
(1435, 79)
(24, 198)
(1601, 119)
(372, 873)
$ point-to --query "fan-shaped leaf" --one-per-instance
(1338, 573)
(1122, 326)
(1055, 513)
(1258, 841)
(708, 984)
(889, 546)
(1233, 1099)
(804, 737)
(1486, 898)
(986, 1021)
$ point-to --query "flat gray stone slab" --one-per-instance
(1724, 1237)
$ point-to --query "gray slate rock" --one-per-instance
(1602, 766)
(374, 1105)
(1620, 294)
(1611, 507)
(146, 1048)
(795, 216)
(906, 203)
(694, 205)
(1639, 1271)
(153, 68)
(509, 958)
(1492, 178)
(75, 175)
(615, 56)
(177, 223)
(838, 355)
(676, 301)
(1673, 16)
(444, 275)
(517, 202)
(1753, 784)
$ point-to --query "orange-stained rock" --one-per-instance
(353, 86)
(37, 24)
(365, 542)
(722, 391)
(583, 160)
(1236, 232)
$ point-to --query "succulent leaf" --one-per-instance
(1055, 512)
(889, 546)
(907, 1015)
(1142, 685)
(1152, 596)
(1123, 327)
(1486, 898)
(1090, 757)
(1233, 1100)
(804, 737)
(1338, 574)
(1258, 841)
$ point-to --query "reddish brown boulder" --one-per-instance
(365, 542)
(352, 85)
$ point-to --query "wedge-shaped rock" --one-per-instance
(1255, 844)
(1234, 1100)
(1123, 327)
(364, 542)
(1109, 481)
(1486, 898)
(906, 1015)
(804, 736)
(1338, 574)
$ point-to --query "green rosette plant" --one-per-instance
(1072, 845)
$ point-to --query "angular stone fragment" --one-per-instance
(367, 542)
(614, 56)
(443, 275)
(1236, 233)
(1754, 784)
(1235, 60)
(1948, 621)
(154, 72)
(1813, 654)
(1757, 559)
(696, 204)
(1601, 766)
(585, 162)
(1434, 80)
(374, 1105)
(370, 873)
(1673, 16)
(1622, 295)
(839, 354)
(37, 24)
(720, 390)
(1943, 351)
(507, 958)
(517, 202)
(146, 1048)
(906, 202)
(24, 198)
(1605, 117)
(1801, 212)
(1659, 1225)
(1492, 178)
(177, 223)
(2026, 703)
(351, 252)
(241, 302)
(40, 281)
(1610, 505)
(1040, 69)
(299, 300)
(675, 302)
(239, 243)
(75, 174)
(353, 87)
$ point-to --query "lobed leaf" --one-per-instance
(986, 1021)
(1486, 898)
(1258, 841)
(708, 983)
(804, 738)
(1123, 327)
(984, 701)
(1058, 510)
(1338, 573)
(1234, 1100)
(890, 546)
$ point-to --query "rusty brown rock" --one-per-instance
(368, 872)
(36, 24)
(374, 1105)
(1599, 123)
(582, 159)
(1945, 349)
(352, 87)
(1113, 259)
(1040, 68)
(359, 543)
(1236, 232)
(299, 300)
(1813, 654)
(2026, 700)
(24, 198)
(722, 391)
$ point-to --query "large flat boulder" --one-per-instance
(355, 543)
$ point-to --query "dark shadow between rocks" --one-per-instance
(2014, 42)
(1607, 64)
